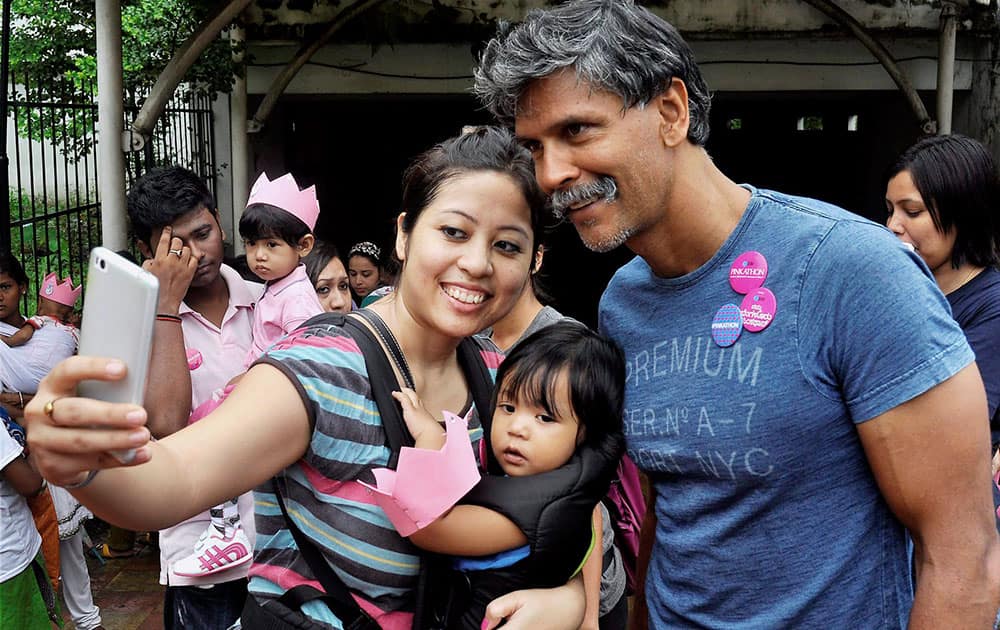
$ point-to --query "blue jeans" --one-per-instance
(194, 608)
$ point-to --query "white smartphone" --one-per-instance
(118, 315)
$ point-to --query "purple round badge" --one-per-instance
(727, 325)
(758, 310)
(748, 272)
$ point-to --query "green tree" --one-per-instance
(53, 57)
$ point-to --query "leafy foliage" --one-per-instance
(49, 240)
(53, 55)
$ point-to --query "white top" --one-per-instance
(22, 368)
(19, 540)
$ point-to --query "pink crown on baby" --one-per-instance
(61, 292)
(284, 193)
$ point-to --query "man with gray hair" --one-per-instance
(798, 392)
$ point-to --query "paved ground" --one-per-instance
(126, 590)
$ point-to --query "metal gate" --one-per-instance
(55, 210)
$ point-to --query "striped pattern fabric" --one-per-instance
(321, 491)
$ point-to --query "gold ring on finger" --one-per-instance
(49, 407)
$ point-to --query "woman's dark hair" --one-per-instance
(960, 186)
(538, 280)
(262, 220)
(484, 148)
(596, 373)
(317, 260)
(13, 268)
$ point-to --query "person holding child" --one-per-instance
(55, 308)
(304, 414)
(52, 338)
(277, 233)
(552, 447)
(200, 342)
(45, 338)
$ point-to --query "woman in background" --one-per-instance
(329, 278)
(364, 265)
(943, 199)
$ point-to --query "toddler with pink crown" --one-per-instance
(55, 305)
(276, 228)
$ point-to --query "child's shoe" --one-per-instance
(215, 552)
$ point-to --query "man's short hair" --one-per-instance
(612, 45)
(163, 195)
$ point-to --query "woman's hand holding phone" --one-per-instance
(77, 435)
(118, 313)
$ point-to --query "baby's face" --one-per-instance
(271, 258)
(527, 439)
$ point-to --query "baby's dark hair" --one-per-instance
(262, 220)
(596, 373)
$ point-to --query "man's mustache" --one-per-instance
(563, 200)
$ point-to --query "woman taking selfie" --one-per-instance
(305, 413)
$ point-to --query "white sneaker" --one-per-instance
(214, 553)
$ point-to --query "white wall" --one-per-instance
(48, 172)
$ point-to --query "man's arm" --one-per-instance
(931, 459)
(168, 389)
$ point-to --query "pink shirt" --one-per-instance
(215, 355)
(286, 303)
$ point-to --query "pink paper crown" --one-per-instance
(427, 483)
(284, 193)
(61, 292)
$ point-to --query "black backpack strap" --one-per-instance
(381, 377)
(389, 340)
(470, 359)
(383, 382)
(337, 597)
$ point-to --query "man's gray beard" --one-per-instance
(612, 242)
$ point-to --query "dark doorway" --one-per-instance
(805, 143)
(833, 146)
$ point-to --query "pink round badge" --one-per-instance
(748, 272)
(727, 325)
(194, 359)
(758, 310)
